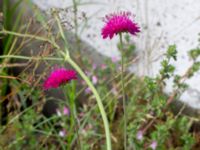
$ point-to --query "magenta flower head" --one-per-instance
(59, 77)
(118, 23)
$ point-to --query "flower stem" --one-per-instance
(123, 90)
(39, 38)
(31, 58)
(99, 102)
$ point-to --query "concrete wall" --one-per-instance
(163, 22)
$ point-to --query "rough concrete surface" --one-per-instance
(163, 22)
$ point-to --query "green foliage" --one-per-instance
(172, 52)
(167, 69)
(196, 67)
(194, 53)
(10, 12)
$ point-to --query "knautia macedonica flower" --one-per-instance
(59, 77)
(117, 23)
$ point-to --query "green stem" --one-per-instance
(123, 91)
(61, 30)
(31, 58)
(77, 127)
(99, 102)
(74, 125)
(30, 36)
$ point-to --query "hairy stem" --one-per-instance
(123, 91)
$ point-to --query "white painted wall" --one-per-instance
(167, 22)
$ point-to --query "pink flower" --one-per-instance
(153, 145)
(62, 133)
(117, 23)
(88, 90)
(94, 66)
(139, 135)
(114, 59)
(103, 66)
(88, 73)
(94, 79)
(66, 111)
(58, 77)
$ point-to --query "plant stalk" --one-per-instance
(98, 99)
(123, 91)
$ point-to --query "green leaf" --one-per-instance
(172, 52)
